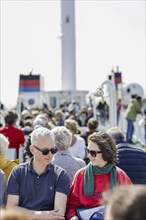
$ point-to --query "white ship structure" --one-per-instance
(31, 87)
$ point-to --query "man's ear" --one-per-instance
(31, 148)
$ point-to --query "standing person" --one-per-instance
(119, 108)
(5, 164)
(39, 187)
(130, 159)
(63, 157)
(90, 113)
(132, 110)
(2, 189)
(14, 135)
(99, 176)
(74, 108)
(103, 109)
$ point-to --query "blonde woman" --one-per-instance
(5, 164)
(77, 146)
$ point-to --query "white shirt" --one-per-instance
(78, 149)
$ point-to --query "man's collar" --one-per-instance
(30, 165)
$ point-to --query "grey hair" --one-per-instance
(40, 121)
(63, 137)
(116, 133)
(4, 143)
(40, 133)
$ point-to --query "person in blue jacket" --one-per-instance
(130, 158)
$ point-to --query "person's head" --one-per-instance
(43, 145)
(28, 123)
(133, 96)
(12, 214)
(25, 114)
(10, 117)
(92, 124)
(4, 143)
(116, 133)
(58, 114)
(90, 110)
(101, 149)
(40, 121)
(72, 125)
(139, 99)
(63, 137)
(83, 114)
(127, 203)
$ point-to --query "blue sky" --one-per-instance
(108, 34)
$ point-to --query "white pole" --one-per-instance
(94, 107)
(68, 47)
(112, 102)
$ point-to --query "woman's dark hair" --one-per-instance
(10, 117)
(106, 144)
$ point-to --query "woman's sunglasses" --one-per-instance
(46, 150)
(93, 153)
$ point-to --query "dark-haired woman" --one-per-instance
(99, 176)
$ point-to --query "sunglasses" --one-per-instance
(93, 153)
(46, 150)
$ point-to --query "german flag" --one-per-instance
(29, 83)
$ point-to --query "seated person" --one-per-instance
(130, 159)
(5, 164)
(12, 214)
(39, 121)
(127, 203)
(99, 176)
(10, 130)
(77, 146)
(59, 117)
(92, 126)
(2, 189)
(38, 186)
(63, 157)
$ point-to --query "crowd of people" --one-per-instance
(66, 167)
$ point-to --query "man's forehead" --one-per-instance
(45, 139)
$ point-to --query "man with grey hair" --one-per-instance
(41, 121)
(63, 157)
(38, 186)
(130, 159)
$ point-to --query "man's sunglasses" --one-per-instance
(46, 150)
(93, 153)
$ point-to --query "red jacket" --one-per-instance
(14, 135)
(77, 199)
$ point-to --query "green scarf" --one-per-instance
(89, 176)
